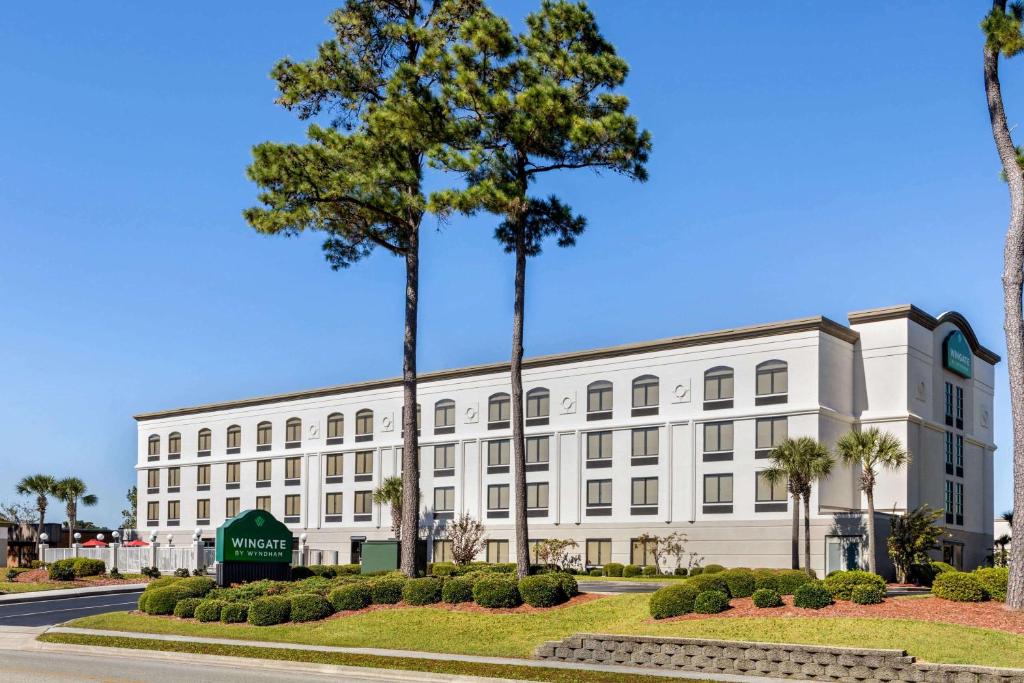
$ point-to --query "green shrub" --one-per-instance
(694, 571)
(350, 597)
(841, 584)
(310, 607)
(569, 584)
(61, 570)
(711, 602)
(501, 568)
(387, 590)
(209, 610)
(959, 587)
(680, 571)
(741, 582)
(766, 598)
(542, 591)
(195, 586)
(709, 582)
(596, 572)
(925, 574)
(457, 589)
(160, 582)
(443, 569)
(142, 601)
(299, 573)
(323, 570)
(186, 607)
(791, 579)
(766, 579)
(86, 566)
(613, 569)
(181, 573)
(270, 610)
(346, 569)
(864, 594)
(713, 569)
(234, 613)
(994, 580)
(812, 595)
(631, 570)
(497, 591)
(425, 591)
(671, 601)
(650, 570)
(163, 600)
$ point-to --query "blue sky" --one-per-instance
(805, 162)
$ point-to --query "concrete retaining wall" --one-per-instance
(799, 662)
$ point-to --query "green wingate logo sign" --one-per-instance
(254, 536)
(956, 354)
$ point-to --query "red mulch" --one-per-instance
(41, 576)
(473, 607)
(991, 614)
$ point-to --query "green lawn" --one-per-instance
(17, 587)
(517, 635)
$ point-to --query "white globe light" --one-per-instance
(44, 538)
(302, 538)
(152, 537)
(99, 537)
(115, 535)
(170, 539)
(78, 537)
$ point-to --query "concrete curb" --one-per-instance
(65, 593)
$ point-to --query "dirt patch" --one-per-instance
(41, 576)
(473, 607)
(992, 615)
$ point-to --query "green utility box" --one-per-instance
(385, 556)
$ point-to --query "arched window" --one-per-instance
(718, 388)
(364, 425)
(204, 442)
(234, 439)
(173, 445)
(444, 416)
(153, 447)
(772, 382)
(645, 395)
(599, 401)
(538, 406)
(293, 433)
(264, 436)
(335, 428)
(499, 411)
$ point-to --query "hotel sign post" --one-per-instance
(251, 546)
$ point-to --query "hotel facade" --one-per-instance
(642, 439)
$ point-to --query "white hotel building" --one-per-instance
(653, 437)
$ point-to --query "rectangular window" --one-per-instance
(537, 404)
(718, 385)
(174, 444)
(444, 499)
(959, 503)
(444, 414)
(233, 475)
(173, 477)
(599, 493)
(599, 398)
(537, 449)
(293, 468)
(949, 502)
(645, 442)
(498, 453)
(499, 408)
(234, 437)
(335, 426)
(717, 489)
(364, 462)
(718, 437)
(497, 497)
(203, 475)
(537, 496)
(960, 407)
(444, 457)
(443, 551)
(949, 452)
(772, 379)
(205, 438)
(203, 509)
(263, 470)
(599, 551)
(332, 504)
(645, 491)
(292, 505)
(154, 446)
(769, 492)
(173, 511)
(293, 431)
(263, 503)
(642, 552)
(364, 502)
(264, 432)
(364, 423)
(497, 552)
(771, 431)
(532, 546)
(960, 455)
(230, 507)
(949, 403)
(153, 479)
(645, 392)
(335, 463)
(153, 511)
(599, 446)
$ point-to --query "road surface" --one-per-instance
(51, 612)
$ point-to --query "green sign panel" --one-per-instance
(254, 536)
(956, 354)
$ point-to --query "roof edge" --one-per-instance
(928, 321)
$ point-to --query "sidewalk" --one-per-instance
(15, 598)
(411, 654)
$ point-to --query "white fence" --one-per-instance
(168, 558)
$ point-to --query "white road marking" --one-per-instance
(68, 609)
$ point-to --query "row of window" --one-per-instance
(771, 387)
(954, 503)
(597, 551)
(362, 508)
(954, 454)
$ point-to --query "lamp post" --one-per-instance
(115, 545)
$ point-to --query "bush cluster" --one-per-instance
(842, 583)
(694, 571)
(812, 595)
(350, 597)
(671, 601)
(959, 587)
(181, 573)
(766, 598)
(680, 571)
(209, 610)
(61, 570)
(186, 608)
(925, 574)
(309, 607)
(544, 590)
(387, 590)
(497, 592)
(713, 569)
(650, 570)
(234, 613)
(613, 569)
(631, 570)
(457, 589)
(711, 602)
(741, 582)
(791, 579)
(709, 582)
(424, 591)
(994, 580)
(72, 567)
(163, 600)
(864, 594)
(596, 572)
(270, 610)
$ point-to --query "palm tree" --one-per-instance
(871, 449)
(41, 486)
(1008, 517)
(390, 493)
(1001, 543)
(800, 462)
(71, 491)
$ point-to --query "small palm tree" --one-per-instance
(871, 449)
(41, 486)
(71, 491)
(1008, 517)
(390, 493)
(800, 462)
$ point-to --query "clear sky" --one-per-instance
(808, 159)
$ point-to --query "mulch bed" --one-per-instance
(41, 576)
(992, 615)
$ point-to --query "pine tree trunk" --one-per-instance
(410, 440)
(807, 532)
(518, 439)
(796, 532)
(1013, 279)
(871, 531)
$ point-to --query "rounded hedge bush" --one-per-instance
(959, 587)
(443, 569)
(713, 569)
(387, 590)
(766, 598)
(650, 570)
(299, 573)
(457, 589)
(425, 591)
(994, 580)
(925, 574)
(350, 597)
(324, 570)
(863, 594)
(711, 602)
(195, 587)
(234, 613)
(61, 570)
(596, 572)
(766, 579)
(709, 582)
(543, 590)
(631, 570)
(694, 571)
(186, 608)
(791, 579)
(671, 601)
(497, 592)
(87, 566)
(161, 582)
(142, 601)
(613, 569)
(741, 582)
(310, 607)
(841, 584)
(680, 571)
(269, 610)
(812, 595)
(163, 600)
(569, 584)
(209, 610)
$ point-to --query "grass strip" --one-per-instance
(448, 666)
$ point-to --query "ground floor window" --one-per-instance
(443, 551)
(599, 551)
(497, 552)
(263, 503)
(642, 552)
(533, 543)
(953, 553)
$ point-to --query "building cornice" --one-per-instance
(927, 321)
(812, 324)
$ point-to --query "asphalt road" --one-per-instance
(50, 612)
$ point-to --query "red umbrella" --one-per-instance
(136, 544)
(93, 543)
